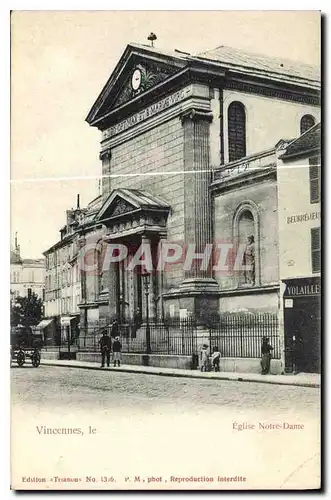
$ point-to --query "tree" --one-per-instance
(27, 311)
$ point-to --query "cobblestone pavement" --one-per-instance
(67, 387)
(158, 428)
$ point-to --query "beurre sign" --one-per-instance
(303, 217)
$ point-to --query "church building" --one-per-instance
(188, 154)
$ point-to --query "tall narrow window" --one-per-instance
(236, 131)
(316, 249)
(314, 178)
(307, 121)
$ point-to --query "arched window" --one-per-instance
(236, 131)
(307, 121)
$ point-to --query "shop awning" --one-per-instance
(44, 323)
(66, 320)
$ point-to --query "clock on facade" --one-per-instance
(136, 79)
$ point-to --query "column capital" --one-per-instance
(196, 115)
(105, 154)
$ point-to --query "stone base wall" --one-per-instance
(240, 365)
(50, 354)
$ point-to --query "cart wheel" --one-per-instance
(20, 358)
(35, 359)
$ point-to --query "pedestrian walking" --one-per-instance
(115, 329)
(117, 354)
(266, 349)
(204, 358)
(216, 359)
(105, 347)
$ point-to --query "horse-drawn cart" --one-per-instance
(25, 345)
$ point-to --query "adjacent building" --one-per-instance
(63, 284)
(299, 219)
(26, 275)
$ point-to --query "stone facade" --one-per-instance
(167, 177)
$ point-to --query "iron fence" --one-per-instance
(234, 334)
(241, 335)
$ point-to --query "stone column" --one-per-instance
(105, 157)
(113, 290)
(161, 283)
(151, 297)
(199, 288)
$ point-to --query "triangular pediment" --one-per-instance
(140, 69)
(116, 205)
(124, 201)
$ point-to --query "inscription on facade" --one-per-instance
(303, 217)
(152, 110)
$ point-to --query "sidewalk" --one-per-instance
(301, 379)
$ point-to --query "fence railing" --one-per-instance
(234, 334)
(241, 335)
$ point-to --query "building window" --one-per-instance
(315, 234)
(16, 277)
(314, 178)
(236, 131)
(307, 121)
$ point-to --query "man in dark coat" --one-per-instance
(114, 329)
(105, 347)
(266, 349)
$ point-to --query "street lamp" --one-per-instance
(146, 281)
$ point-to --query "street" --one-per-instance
(148, 425)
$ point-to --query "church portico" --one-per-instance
(133, 223)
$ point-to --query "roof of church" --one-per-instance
(306, 143)
(240, 60)
(143, 198)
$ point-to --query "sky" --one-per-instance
(61, 61)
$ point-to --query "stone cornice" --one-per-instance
(268, 88)
(105, 154)
(249, 290)
(196, 115)
(244, 179)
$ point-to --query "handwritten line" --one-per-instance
(298, 468)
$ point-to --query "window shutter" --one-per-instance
(316, 249)
(314, 179)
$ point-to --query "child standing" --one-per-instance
(117, 348)
(204, 358)
(216, 358)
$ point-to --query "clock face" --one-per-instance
(136, 79)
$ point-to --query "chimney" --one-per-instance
(78, 201)
(16, 240)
